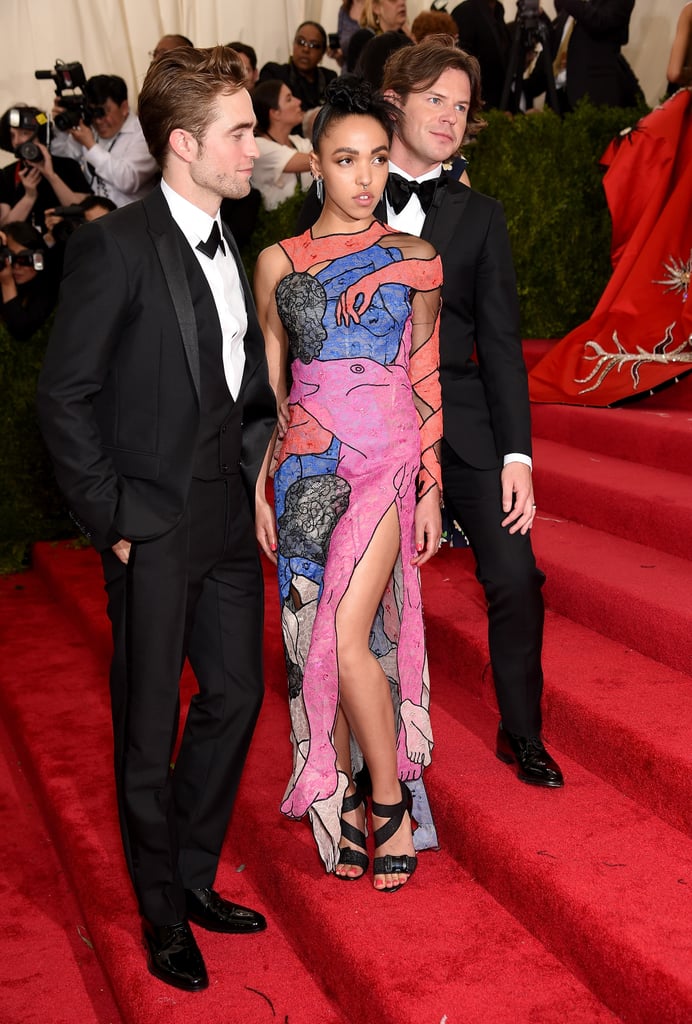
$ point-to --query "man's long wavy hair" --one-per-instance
(180, 90)
(416, 68)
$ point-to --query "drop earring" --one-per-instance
(319, 188)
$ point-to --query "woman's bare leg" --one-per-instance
(364, 689)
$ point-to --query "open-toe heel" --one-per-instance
(349, 856)
(390, 864)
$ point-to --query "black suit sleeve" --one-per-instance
(89, 320)
(498, 340)
(602, 16)
(71, 173)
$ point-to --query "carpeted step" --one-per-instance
(48, 966)
(61, 722)
(647, 505)
(659, 438)
(439, 950)
(380, 958)
(602, 881)
(626, 591)
(619, 714)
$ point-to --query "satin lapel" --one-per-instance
(162, 231)
(442, 221)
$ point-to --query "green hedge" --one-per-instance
(546, 173)
(30, 505)
(544, 170)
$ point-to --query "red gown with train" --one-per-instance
(640, 334)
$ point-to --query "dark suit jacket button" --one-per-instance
(225, 468)
(223, 430)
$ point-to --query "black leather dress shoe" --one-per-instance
(209, 910)
(174, 957)
(535, 764)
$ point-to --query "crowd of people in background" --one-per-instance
(108, 156)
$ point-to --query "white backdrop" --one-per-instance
(115, 36)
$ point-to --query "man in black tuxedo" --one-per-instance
(486, 449)
(591, 33)
(155, 404)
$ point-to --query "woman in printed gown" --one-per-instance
(353, 308)
(639, 337)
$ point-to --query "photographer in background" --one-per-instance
(63, 220)
(111, 148)
(587, 40)
(28, 280)
(34, 183)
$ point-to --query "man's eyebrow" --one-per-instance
(241, 125)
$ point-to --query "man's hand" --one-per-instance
(83, 135)
(121, 550)
(30, 178)
(517, 497)
(428, 526)
(265, 528)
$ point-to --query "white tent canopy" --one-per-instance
(115, 36)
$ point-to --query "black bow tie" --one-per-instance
(400, 190)
(213, 243)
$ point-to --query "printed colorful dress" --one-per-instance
(639, 337)
(364, 430)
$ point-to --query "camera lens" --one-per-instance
(30, 151)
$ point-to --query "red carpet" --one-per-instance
(541, 908)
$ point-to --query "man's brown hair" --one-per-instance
(180, 89)
(416, 68)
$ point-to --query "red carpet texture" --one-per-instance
(541, 907)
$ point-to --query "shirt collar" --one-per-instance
(434, 173)
(194, 223)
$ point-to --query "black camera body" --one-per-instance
(29, 258)
(528, 14)
(70, 79)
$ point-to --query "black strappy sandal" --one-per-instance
(349, 856)
(392, 864)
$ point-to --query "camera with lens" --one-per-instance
(29, 151)
(25, 119)
(70, 81)
(26, 258)
(70, 219)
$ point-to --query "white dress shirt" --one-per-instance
(411, 220)
(223, 278)
(121, 168)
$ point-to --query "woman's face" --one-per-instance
(353, 160)
(288, 110)
(391, 14)
(308, 49)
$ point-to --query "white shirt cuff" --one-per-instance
(518, 457)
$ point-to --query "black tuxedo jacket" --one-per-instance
(485, 398)
(595, 66)
(118, 395)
